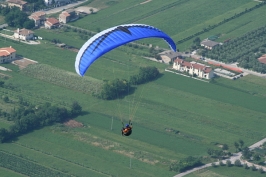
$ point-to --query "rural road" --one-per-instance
(233, 158)
(61, 8)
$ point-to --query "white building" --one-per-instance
(200, 70)
(23, 34)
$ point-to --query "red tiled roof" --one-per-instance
(38, 14)
(195, 66)
(6, 51)
(52, 21)
(207, 70)
(65, 14)
(199, 67)
(34, 17)
(24, 31)
(262, 59)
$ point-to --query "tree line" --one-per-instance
(120, 87)
(245, 50)
(14, 17)
(28, 117)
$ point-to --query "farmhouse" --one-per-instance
(168, 56)
(7, 54)
(209, 44)
(68, 15)
(38, 17)
(17, 3)
(51, 23)
(193, 68)
(23, 34)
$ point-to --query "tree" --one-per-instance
(3, 134)
(236, 146)
(253, 168)
(225, 147)
(261, 170)
(221, 163)
(238, 163)
(228, 163)
(2, 83)
(76, 109)
(29, 24)
(245, 166)
(246, 153)
(241, 142)
(6, 99)
(256, 157)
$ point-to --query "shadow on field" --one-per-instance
(83, 113)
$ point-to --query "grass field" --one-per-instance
(205, 114)
(2, 19)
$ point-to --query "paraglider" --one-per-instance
(111, 38)
(127, 130)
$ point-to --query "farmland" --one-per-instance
(173, 117)
(176, 18)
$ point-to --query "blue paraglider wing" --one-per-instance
(111, 38)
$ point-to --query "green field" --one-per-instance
(178, 20)
(2, 19)
(205, 114)
(8, 173)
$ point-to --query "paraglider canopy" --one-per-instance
(111, 38)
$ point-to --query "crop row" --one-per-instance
(62, 78)
(210, 27)
(27, 167)
(32, 97)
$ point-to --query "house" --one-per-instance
(193, 68)
(68, 15)
(51, 23)
(7, 54)
(262, 59)
(38, 17)
(168, 56)
(17, 3)
(23, 34)
(209, 44)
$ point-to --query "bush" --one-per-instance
(238, 163)
(253, 168)
(228, 163)
(186, 164)
(221, 163)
